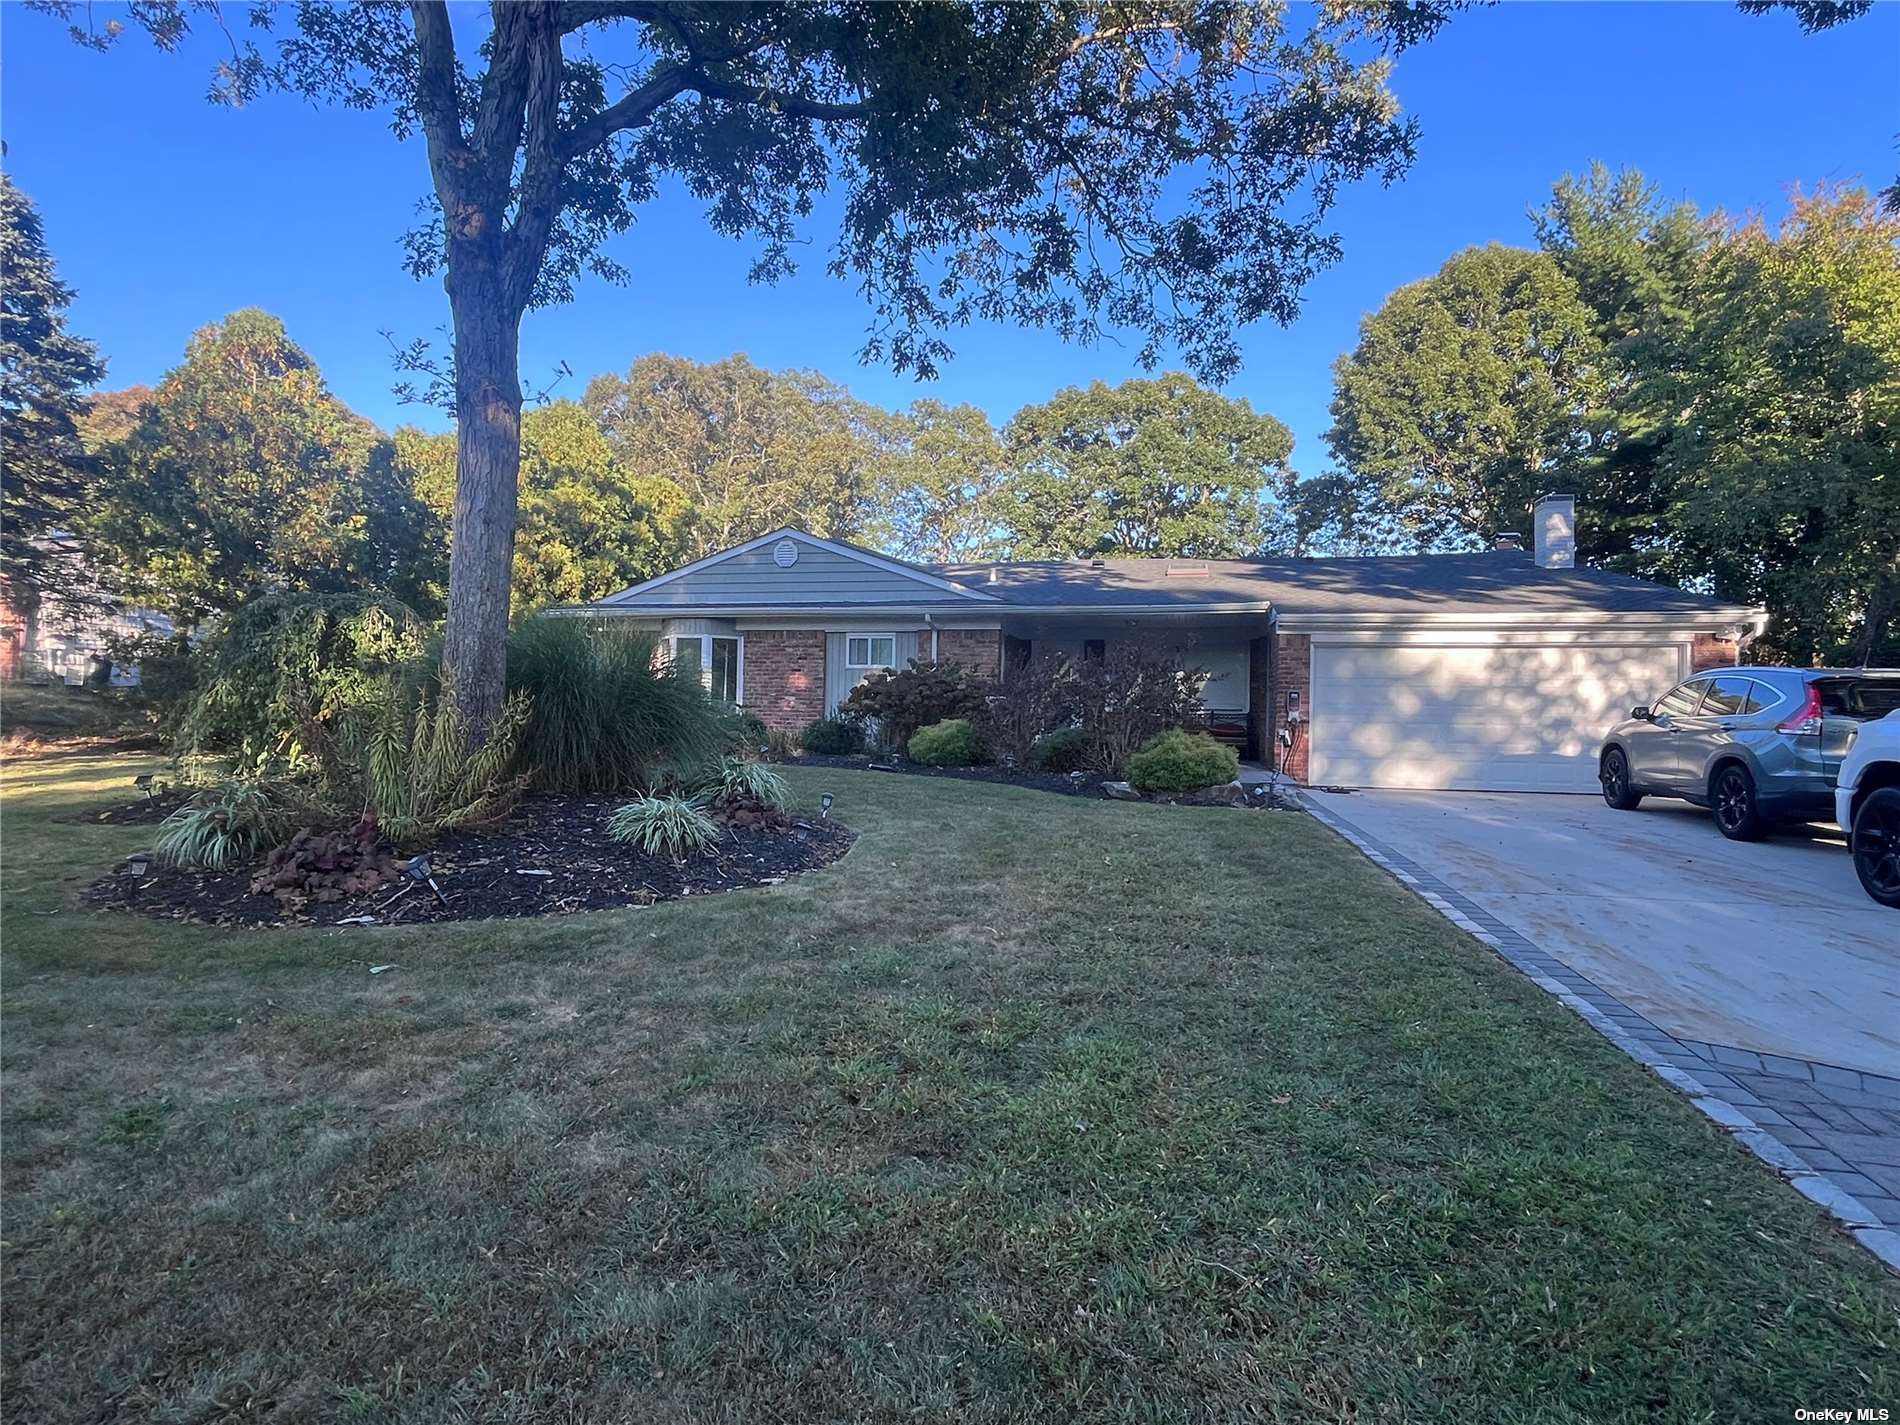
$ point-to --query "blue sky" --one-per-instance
(166, 212)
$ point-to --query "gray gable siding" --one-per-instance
(820, 577)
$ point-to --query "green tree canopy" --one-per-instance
(1465, 398)
(1161, 467)
(751, 449)
(587, 526)
(942, 481)
(1634, 258)
(44, 373)
(1784, 469)
(244, 474)
(1161, 165)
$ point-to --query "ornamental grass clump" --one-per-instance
(604, 718)
(664, 826)
(419, 777)
(224, 826)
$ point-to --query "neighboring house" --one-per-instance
(68, 645)
(1495, 671)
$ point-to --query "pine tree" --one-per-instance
(44, 371)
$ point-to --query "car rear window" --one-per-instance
(1865, 698)
(1730, 697)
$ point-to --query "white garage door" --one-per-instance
(1498, 717)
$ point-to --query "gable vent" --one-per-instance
(785, 553)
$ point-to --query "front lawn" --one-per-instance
(1032, 1108)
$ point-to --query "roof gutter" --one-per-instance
(1291, 622)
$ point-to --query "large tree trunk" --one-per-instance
(487, 464)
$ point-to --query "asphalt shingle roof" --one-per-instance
(1441, 583)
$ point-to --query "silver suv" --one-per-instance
(1754, 745)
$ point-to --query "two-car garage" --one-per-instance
(1478, 709)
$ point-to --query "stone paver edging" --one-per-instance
(1833, 1133)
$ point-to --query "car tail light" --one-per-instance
(1808, 718)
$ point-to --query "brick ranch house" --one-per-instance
(1497, 671)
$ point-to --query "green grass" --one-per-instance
(51, 712)
(1031, 1109)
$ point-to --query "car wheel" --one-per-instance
(1732, 799)
(1614, 773)
(1876, 843)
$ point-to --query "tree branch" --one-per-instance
(793, 104)
(631, 111)
(449, 156)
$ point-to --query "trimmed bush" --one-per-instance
(950, 743)
(602, 718)
(664, 826)
(1177, 761)
(1067, 749)
(832, 737)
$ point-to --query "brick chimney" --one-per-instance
(1554, 530)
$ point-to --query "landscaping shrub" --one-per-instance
(286, 678)
(951, 743)
(602, 717)
(223, 826)
(1036, 696)
(1064, 750)
(750, 732)
(832, 737)
(919, 696)
(781, 744)
(420, 779)
(1178, 761)
(664, 826)
(1136, 690)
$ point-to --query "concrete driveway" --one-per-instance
(1770, 946)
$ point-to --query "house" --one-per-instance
(1493, 671)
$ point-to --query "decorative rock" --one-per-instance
(1120, 791)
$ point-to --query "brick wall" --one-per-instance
(1711, 651)
(978, 649)
(1291, 671)
(785, 676)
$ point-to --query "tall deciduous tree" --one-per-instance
(1634, 257)
(44, 373)
(1162, 467)
(588, 526)
(751, 449)
(244, 473)
(1466, 397)
(1785, 465)
(942, 484)
(1166, 165)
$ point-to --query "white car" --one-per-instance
(1867, 805)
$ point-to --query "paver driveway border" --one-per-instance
(1832, 1133)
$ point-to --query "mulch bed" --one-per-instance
(1087, 785)
(144, 811)
(498, 874)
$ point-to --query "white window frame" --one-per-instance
(869, 640)
(705, 642)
